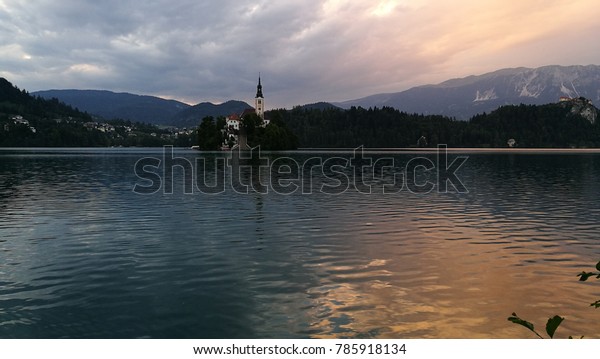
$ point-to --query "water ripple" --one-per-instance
(82, 256)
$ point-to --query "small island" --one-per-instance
(253, 127)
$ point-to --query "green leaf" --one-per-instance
(598, 266)
(553, 324)
(596, 304)
(585, 275)
(515, 319)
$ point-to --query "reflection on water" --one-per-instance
(81, 255)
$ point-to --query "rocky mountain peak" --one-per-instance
(465, 97)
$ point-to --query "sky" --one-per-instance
(305, 51)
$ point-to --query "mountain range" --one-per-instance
(459, 98)
(111, 105)
(465, 97)
(138, 108)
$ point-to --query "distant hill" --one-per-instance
(462, 98)
(192, 116)
(110, 105)
(137, 108)
(318, 106)
(14, 101)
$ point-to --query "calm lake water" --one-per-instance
(83, 256)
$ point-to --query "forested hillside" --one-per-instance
(552, 125)
(28, 121)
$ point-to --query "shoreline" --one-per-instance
(399, 150)
(457, 150)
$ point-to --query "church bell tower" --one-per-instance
(259, 101)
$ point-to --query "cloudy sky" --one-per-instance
(305, 50)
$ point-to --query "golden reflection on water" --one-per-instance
(450, 288)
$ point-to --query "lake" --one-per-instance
(110, 243)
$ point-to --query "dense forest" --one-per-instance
(552, 125)
(29, 121)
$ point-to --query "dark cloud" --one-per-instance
(306, 50)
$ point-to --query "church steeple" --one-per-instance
(259, 100)
(259, 89)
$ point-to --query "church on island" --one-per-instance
(234, 121)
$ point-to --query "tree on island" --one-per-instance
(210, 136)
(273, 137)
